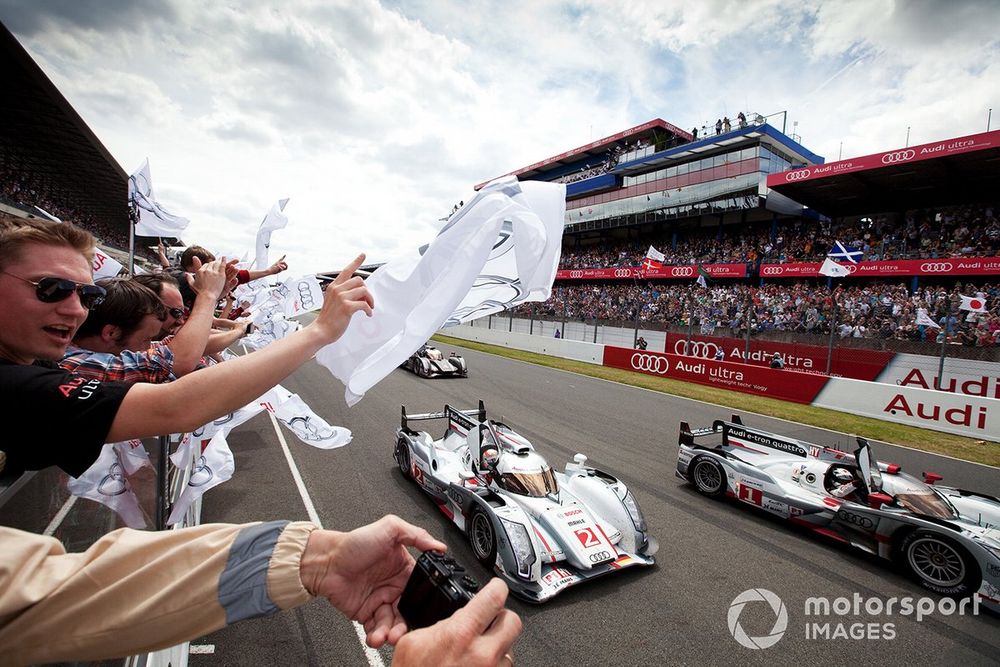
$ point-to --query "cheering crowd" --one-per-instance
(876, 310)
(82, 364)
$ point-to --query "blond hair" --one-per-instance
(18, 233)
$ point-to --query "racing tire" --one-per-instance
(424, 370)
(482, 537)
(939, 564)
(403, 458)
(708, 477)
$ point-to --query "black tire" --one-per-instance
(708, 477)
(423, 369)
(482, 537)
(939, 564)
(403, 458)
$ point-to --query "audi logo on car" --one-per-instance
(771, 271)
(623, 273)
(682, 271)
(797, 175)
(857, 520)
(696, 348)
(899, 156)
(936, 267)
(600, 557)
(650, 363)
(576, 274)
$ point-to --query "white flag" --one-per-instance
(215, 466)
(105, 266)
(106, 482)
(924, 319)
(976, 304)
(303, 295)
(309, 427)
(832, 269)
(154, 220)
(655, 255)
(500, 249)
(274, 219)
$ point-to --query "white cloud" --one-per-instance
(375, 118)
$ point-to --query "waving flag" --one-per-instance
(106, 482)
(925, 320)
(834, 270)
(309, 427)
(976, 304)
(154, 220)
(703, 276)
(500, 249)
(845, 253)
(105, 266)
(654, 259)
(215, 466)
(274, 219)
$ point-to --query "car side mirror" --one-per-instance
(877, 499)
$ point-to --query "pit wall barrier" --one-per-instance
(975, 416)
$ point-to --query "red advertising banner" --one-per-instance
(974, 142)
(686, 271)
(854, 363)
(785, 385)
(970, 266)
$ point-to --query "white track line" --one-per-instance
(725, 407)
(373, 656)
(59, 517)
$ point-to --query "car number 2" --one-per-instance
(587, 537)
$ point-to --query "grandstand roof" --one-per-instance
(953, 171)
(42, 134)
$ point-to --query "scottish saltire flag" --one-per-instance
(845, 253)
(274, 219)
(154, 220)
(499, 250)
(832, 269)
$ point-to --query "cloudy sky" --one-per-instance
(376, 117)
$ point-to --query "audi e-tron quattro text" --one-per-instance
(947, 539)
(541, 530)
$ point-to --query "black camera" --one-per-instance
(437, 588)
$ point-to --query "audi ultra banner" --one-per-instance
(687, 271)
(972, 266)
(967, 144)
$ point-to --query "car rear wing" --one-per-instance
(448, 413)
(688, 434)
(735, 433)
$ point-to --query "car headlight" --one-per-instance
(634, 512)
(520, 543)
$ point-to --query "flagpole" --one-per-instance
(944, 341)
(132, 219)
(687, 343)
(833, 326)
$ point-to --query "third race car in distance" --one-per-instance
(540, 529)
(945, 538)
(430, 362)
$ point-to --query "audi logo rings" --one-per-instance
(650, 363)
(798, 175)
(305, 295)
(600, 557)
(576, 274)
(771, 271)
(857, 519)
(682, 271)
(936, 267)
(623, 273)
(899, 156)
(696, 348)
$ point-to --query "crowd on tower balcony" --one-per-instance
(960, 231)
(874, 310)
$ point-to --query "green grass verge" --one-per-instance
(967, 449)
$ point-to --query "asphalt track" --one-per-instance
(673, 613)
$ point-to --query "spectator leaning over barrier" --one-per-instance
(59, 607)
(165, 287)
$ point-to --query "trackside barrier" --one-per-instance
(975, 416)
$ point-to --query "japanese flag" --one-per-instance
(976, 304)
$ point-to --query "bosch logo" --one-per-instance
(576, 274)
(771, 271)
(799, 175)
(650, 363)
(682, 271)
(623, 273)
(696, 348)
(857, 520)
(936, 267)
(899, 156)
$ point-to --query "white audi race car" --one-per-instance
(541, 530)
(429, 362)
(947, 539)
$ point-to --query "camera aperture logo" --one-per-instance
(780, 618)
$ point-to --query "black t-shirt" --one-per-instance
(54, 417)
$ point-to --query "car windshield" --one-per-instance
(928, 504)
(434, 355)
(531, 484)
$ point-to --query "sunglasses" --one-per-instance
(52, 290)
(176, 313)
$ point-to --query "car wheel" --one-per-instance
(708, 477)
(482, 537)
(425, 370)
(939, 564)
(403, 458)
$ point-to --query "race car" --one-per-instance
(541, 530)
(429, 362)
(947, 539)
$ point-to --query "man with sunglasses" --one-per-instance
(57, 607)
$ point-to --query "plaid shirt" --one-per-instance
(153, 366)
